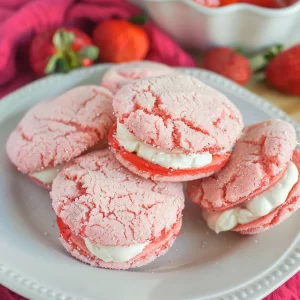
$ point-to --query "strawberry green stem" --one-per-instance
(66, 59)
(141, 19)
(261, 60)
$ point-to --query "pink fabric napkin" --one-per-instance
(20, 20)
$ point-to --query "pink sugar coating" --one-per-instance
(178, 112)
(158, 177)
(259, 157)
(101, 200)
(119, 75)
(149, 254)
(281, 213)
(55, 131)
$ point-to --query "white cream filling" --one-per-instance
(175, 159)
(114, 253)
(259, 206)
(47, 175)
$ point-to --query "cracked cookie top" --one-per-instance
(55, 131)
(121, 74)
(178, 112)
(101, 200)
(258, 161)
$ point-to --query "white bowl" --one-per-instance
(239, 25)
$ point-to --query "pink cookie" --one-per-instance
(173, 128)
(259, 187)
(281, 213)
(111, 218)
(122, 74)
(56, 131)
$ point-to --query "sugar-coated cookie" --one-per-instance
(173, 128)
(119, 75)
(259, 187)
(109, 217)
(56, 131)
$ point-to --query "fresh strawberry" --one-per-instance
(262, 3)
(120, 41)
(81, 39)
(229, 63)
(61, 50)
(208, 3)
(283, 72)
(228, 2)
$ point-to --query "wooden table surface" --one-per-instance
(290, 104)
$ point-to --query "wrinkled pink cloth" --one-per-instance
(20, 20)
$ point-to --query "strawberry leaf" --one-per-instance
(62, 66)
(239, 51)
(68, 38)
(91, 52)
(57, 40)
(141, 19)
(51, 65)
(273, 51)
(63, 40)
(72, 59)
(260, 61)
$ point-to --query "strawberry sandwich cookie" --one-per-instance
(173, 128)
(56, 131)
(122, 74)
(259, 187)
(111, 218)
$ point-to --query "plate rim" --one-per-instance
(262, 285)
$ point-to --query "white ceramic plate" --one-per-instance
(200, 265)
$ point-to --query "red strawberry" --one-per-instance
(60, 51)
(229, 63)
(228, 2)
(263, 3)
(121, 41)
(283, 72)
